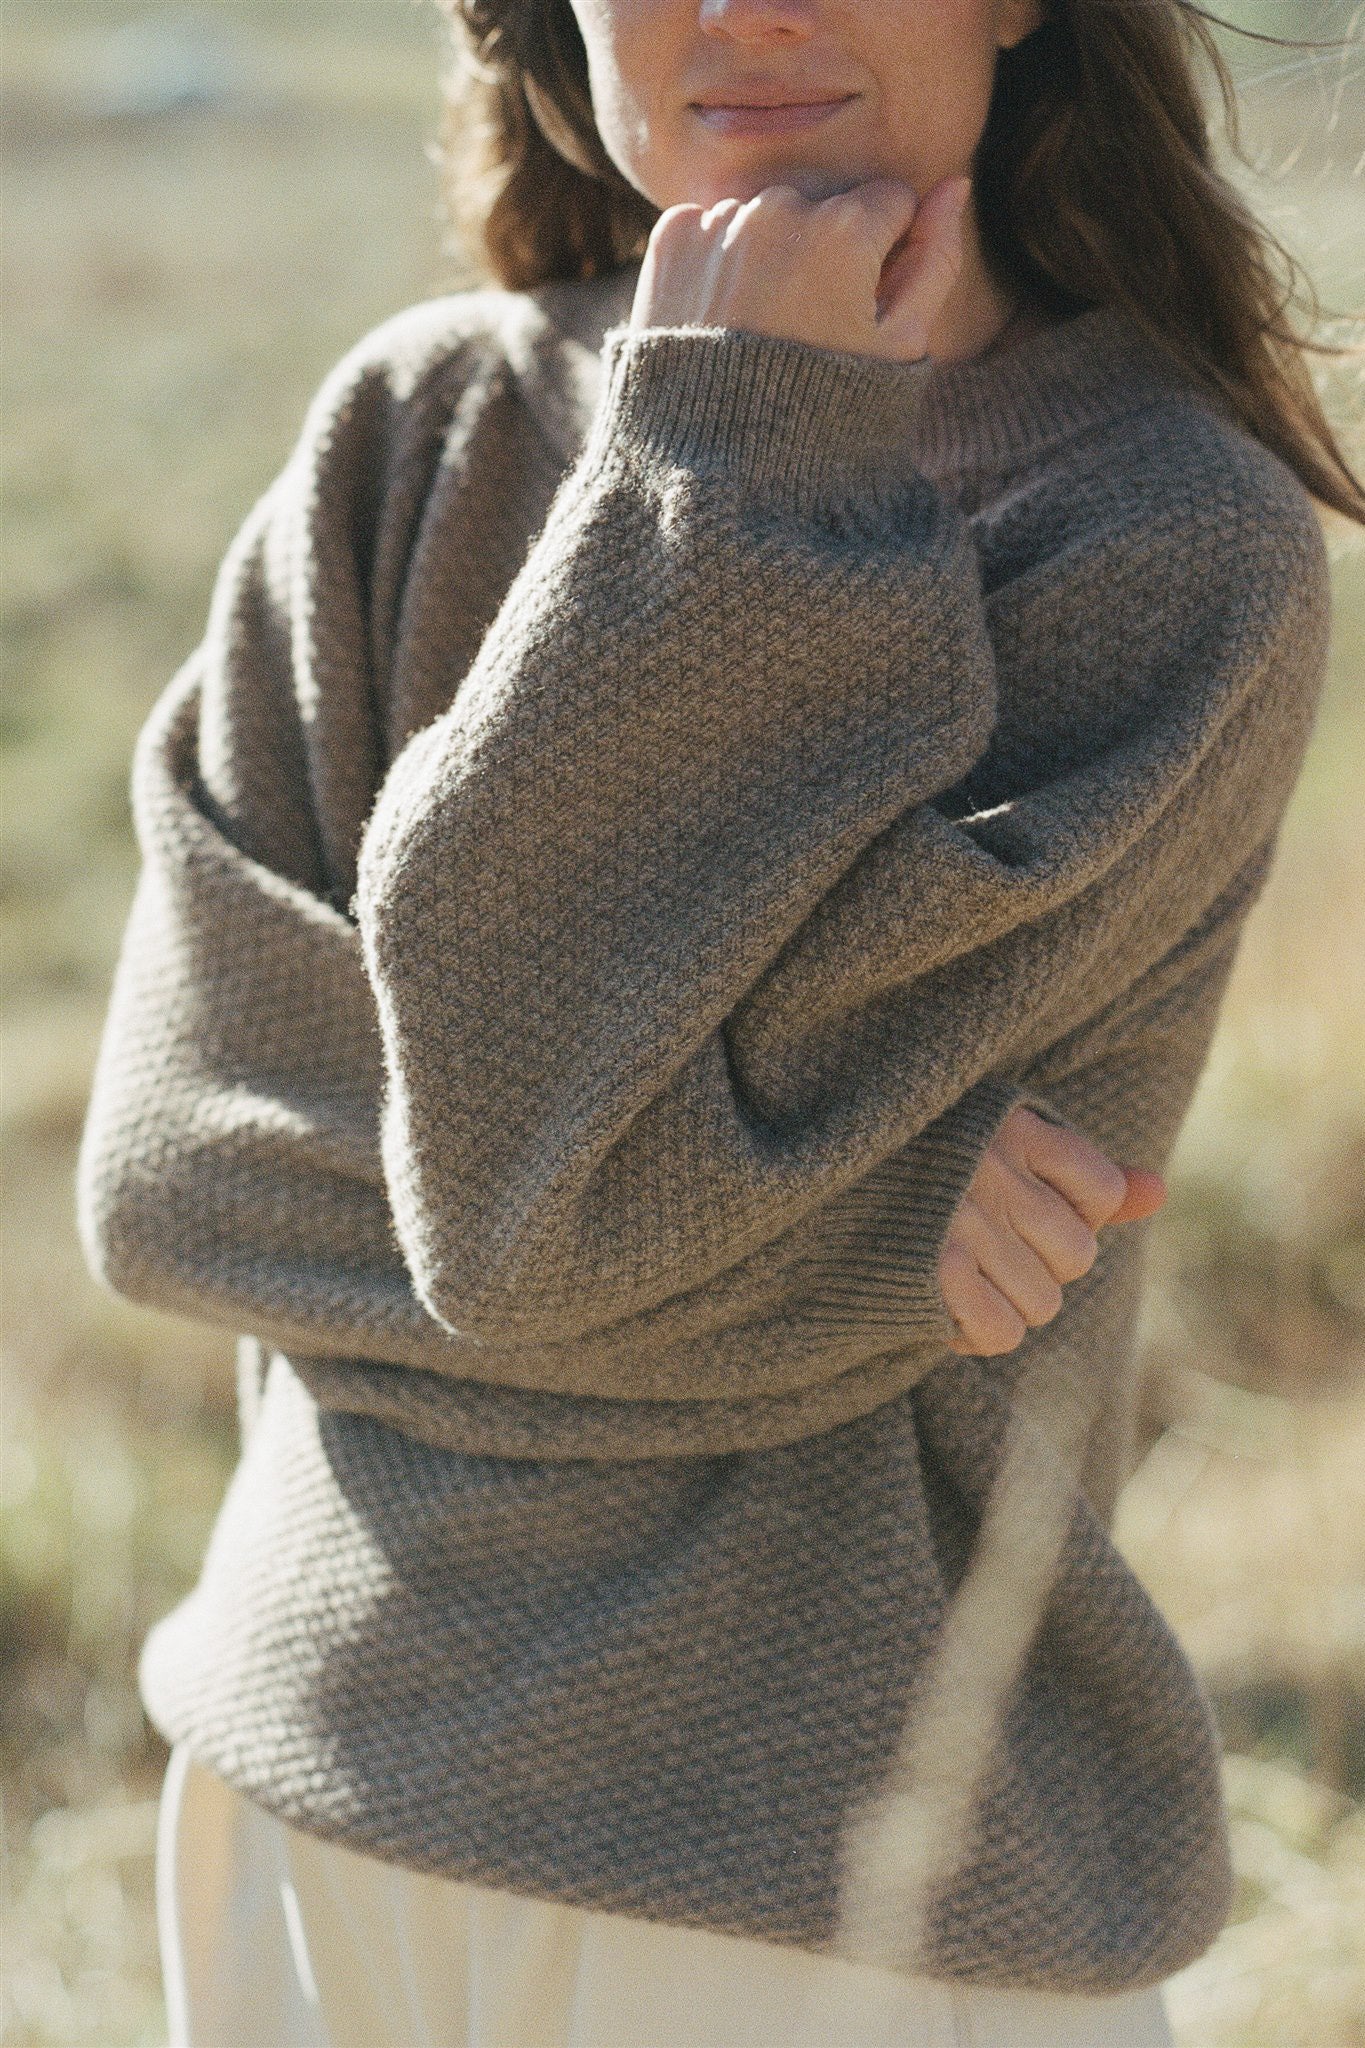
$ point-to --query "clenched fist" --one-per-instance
(866, 271)
(1027, 1225)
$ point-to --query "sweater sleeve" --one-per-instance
(229, 1167)
(675, 945)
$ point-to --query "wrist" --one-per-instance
(783, 419)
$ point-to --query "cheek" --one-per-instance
(631, 56)
(935, 61)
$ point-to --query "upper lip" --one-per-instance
(766, 96)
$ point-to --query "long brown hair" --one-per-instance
(1095, 183)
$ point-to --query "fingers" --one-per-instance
(923, 267)
(1012, 1245)
(1018, 1201)
(866, 269)
(1146, 1193)
(987, 1320)
(881, 208)
(721, 210)
(1008, 1262)
(1026, 1227)
(1086, 1177)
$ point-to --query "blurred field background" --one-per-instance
(204, 208)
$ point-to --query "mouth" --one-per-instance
(767, 113)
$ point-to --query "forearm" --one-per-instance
(712, 686)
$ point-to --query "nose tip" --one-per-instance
(756, 20)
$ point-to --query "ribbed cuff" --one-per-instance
(801, 425)
(878, 1265)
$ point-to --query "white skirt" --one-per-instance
(275, 1938)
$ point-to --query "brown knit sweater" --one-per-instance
(641, 813)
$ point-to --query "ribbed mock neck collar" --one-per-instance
(977, 413)
(988, 412)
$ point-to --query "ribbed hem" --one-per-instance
(800, 425)
(878, 1269)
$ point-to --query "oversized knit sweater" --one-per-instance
(645, 806)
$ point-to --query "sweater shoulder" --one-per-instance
(437, 357)
(1228, 508)
(1168, 501)
(427, 351)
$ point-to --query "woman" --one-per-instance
(687, 884)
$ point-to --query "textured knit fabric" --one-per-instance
(644, 808)
(273, 1938)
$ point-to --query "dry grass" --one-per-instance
(177, 283)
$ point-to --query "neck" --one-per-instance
(979, 314)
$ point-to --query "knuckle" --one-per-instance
(1075, 1262)
(994, 1168)
(956, 1263)
(1074, 1247)
(1014, 1198)
(1005, 1330)
(1070, 1148)
(963, 1233)
(1092, 1178)
(997, 1347)
(1046, 1303)
(845, 215)
(1013, 1143)
(1109, 1181)
(675, 220)
(957, 1277)
(1033, 1140)
(988, 1321)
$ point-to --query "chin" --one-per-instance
(745, 180)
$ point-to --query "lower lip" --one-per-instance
(768, 120)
